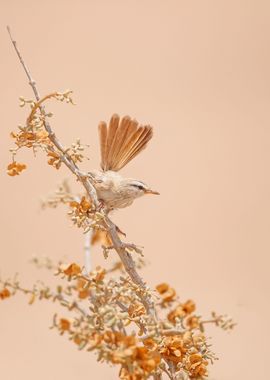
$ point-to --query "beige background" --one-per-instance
(198, 71)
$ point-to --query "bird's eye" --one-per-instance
(140, 187)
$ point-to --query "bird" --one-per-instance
(120, 142)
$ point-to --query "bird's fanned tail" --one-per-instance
(121, 141)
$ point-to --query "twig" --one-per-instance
(89, 187)
(51, 296)
(172, 369)
(167, 372)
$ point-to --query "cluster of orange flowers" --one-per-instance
(72, 270)
(54, 159)
(81, 207)
(15, 168)
(182, 310)
(34, 135)
(118, 326)
(80, 212)
(184, 349)
(29, 138)
(137, 361)
(167, 293)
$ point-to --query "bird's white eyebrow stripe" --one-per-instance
(138, 183)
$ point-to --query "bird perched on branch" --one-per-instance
(120, 142)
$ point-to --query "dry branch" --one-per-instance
(110, 227)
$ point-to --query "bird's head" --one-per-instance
(136, 189)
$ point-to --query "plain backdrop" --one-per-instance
(199, 72)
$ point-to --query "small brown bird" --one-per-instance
(120, 142)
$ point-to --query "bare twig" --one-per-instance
(43, 294)
(124, 255)
(167, 372)
(172, 369)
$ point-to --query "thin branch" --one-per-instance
(167, 372)
(51, 296)
(89, 187)
(172, 369)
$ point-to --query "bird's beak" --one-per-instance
(149, 191)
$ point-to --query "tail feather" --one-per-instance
(102, 129)
(135, 145)
(126, 128)
(121, 141)
(141, 145)
(111, 138)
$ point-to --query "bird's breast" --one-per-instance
(110, 190)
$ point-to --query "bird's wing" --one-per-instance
(121, 141)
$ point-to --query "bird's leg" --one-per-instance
(101, 205)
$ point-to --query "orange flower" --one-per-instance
(27, 137)
(198, 340)
(167, 293)
(173, 348)
(136, 310)
(150, 344)
(125, 347)
(81, 207)
(15, 168)
(178, 312)
(72, 270)
(197, 366)
(98, 274)
(54, 159)
(125, 350)
(83, 290)
(95, 339)
(64, 324)
(117, 338)
(147, 360)
(189, 306)
(85, 204)
(5, 293)
(181, 311)
(193, 322)
(42, 135)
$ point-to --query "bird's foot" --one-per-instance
(101, 205)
